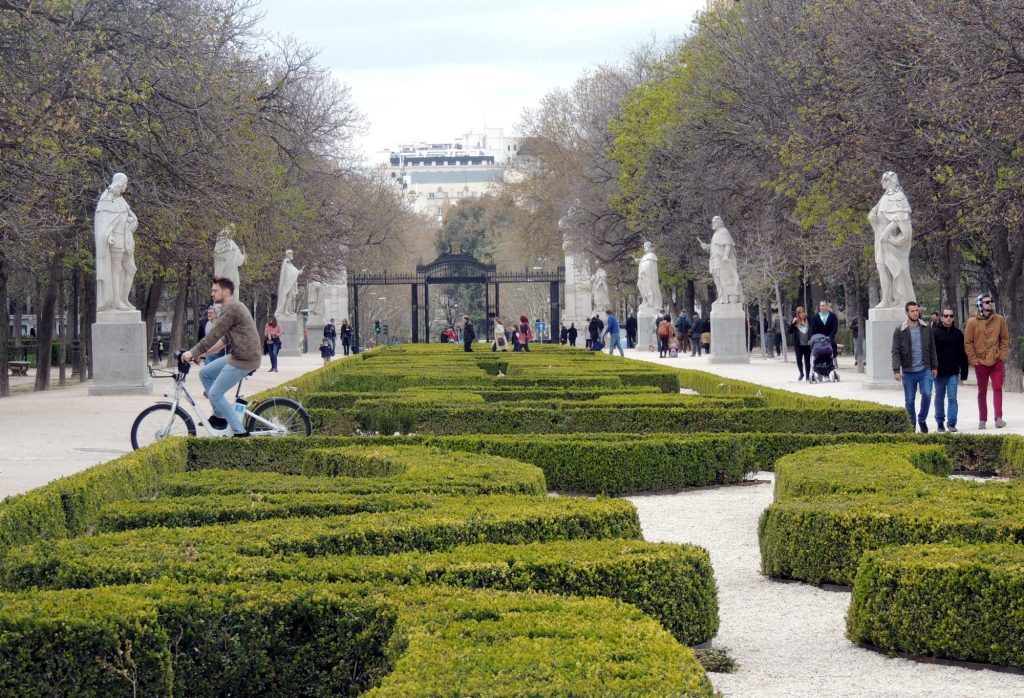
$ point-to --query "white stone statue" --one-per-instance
(316, 299)
(890, 220)
(114, 229)
(722, 264)
(227, 257)
(647, 281)
(599, 290)
(287, 288)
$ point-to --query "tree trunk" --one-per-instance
(781, 329)
(5, 382)
(62, 332)
(44, 324)
(1007, 265)
(950, 275)
(151, 307)
(691, 298)
(87, 310)
(180, 318)
(19, 306)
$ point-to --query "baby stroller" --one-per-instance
(824, 365)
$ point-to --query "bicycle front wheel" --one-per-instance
(159, 421)
(286, 418)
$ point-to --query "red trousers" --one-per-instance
(995, 372)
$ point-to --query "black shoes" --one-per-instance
(217, 422)
(242, 435)
(923, 427)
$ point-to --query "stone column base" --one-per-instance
(120, 357)
(291, 337)
(728, 335)
(882, 322)
(645, 333)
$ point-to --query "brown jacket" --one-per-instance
(238, 329)
(986, 340)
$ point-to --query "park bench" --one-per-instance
(18, 368)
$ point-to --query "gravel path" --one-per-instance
(788, 637)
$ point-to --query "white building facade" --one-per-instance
(436, 176)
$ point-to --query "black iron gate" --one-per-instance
(456, 268)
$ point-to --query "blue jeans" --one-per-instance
(272, 349)
(946, 385)
(613, 344)
(218, 378)
(911, 381)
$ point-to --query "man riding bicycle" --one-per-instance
(235, 328)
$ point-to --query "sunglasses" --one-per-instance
(986, 302)
(947, 315)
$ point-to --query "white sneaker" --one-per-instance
(1000, 424)
(981, 425)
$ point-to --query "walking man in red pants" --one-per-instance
(987, 341)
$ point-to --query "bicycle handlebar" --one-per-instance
(183, 367)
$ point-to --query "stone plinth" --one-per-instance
(579, 303)
(882, 322)
(646, 334)
(291, 336)
(728, 335)
(120, 364)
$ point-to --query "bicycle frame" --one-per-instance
(181, 391)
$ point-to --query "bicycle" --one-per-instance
(275, 416)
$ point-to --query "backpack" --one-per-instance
(664, 329)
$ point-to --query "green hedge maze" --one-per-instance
(453, 528)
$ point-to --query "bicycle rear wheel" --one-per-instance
(288, 418)
(159, 421)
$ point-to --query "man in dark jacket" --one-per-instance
(914, 362)
(631, 331)
(825, 322)
(949, 347)
(468, 334)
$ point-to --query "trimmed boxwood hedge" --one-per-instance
(167, 639)
(612, 464)
(68, 506)
(249, 506)
(672, 583)
(352, 461)
(508, 419)
(486, 643)
(449, 522)
(834, 503)
(961, 601)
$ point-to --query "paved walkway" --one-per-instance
(61, 431)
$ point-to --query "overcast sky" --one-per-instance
(432, 70)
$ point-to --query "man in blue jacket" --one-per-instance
(612, 330)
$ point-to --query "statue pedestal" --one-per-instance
(646, 335)
(316, 333)
(291, 336)
(578, 302)
(882, 322)
(728, 335)
(119, 354)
